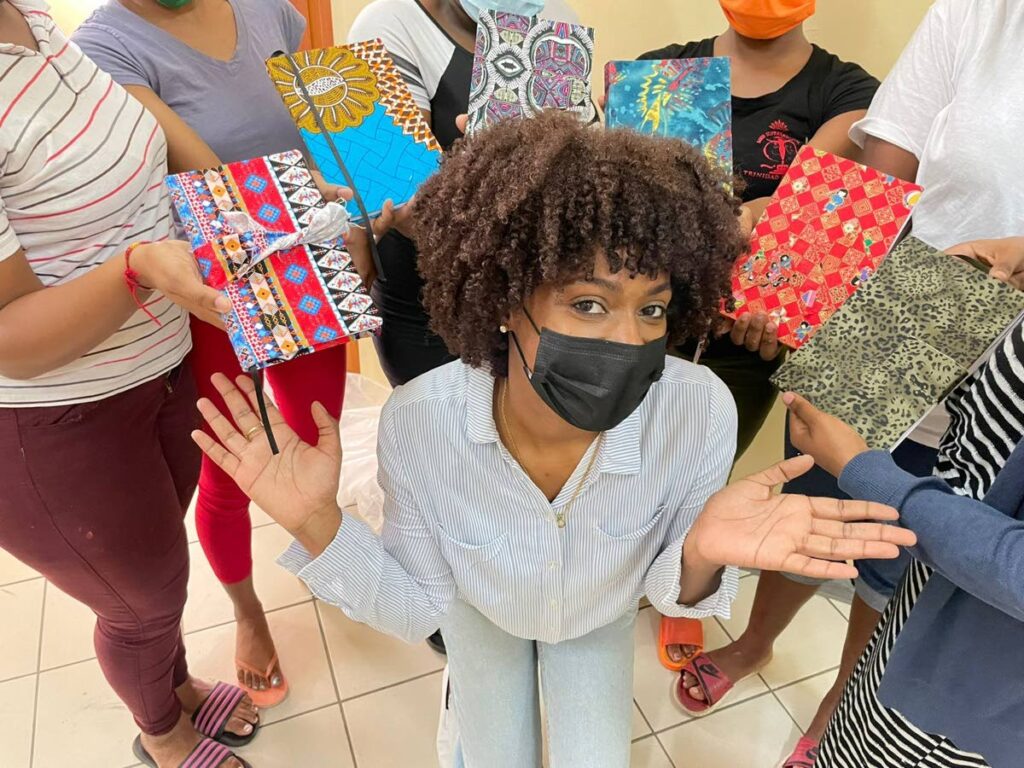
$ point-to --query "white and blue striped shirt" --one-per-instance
(462, 518)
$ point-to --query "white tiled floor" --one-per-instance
(361, 700)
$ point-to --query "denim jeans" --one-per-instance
(498, 681)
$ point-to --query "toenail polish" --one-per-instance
(247, 729)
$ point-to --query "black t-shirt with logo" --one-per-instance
(768, 130)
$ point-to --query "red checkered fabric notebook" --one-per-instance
(828, 227)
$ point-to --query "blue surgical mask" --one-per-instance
(523, 7)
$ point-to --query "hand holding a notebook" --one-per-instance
(831, 442)
(756, 333)
(358, 239)
(170, 268)
(1005, 257)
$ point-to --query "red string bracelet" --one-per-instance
(131, 279)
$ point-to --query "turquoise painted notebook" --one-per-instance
(688, 99)
(359, 121)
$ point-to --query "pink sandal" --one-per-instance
(712, 681)
(804, 756)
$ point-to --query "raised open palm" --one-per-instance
(291, 486)
(747, 525)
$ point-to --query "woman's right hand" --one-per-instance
(298, 486)
(170, 268)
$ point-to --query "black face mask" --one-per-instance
(591, 383)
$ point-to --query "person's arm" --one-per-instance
(398, 583)
(976, 547)
(186, 150)
(973, 545)
(680, 583)
(42, 329)
(746, 525)
(920, 85)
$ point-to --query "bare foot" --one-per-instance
(255, 646)
(736, 660)
(679, 652)
(245, 717)
(171, 749)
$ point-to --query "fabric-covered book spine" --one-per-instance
(293, 301)
(688, 99)
(351, 104)
(902, 342)
(523, 65)
(825, 232)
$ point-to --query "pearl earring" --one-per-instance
(503, 328)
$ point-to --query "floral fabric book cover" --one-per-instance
(293, 301)
(902, 342)
(523, 65)
(688, 99)
(825, 232)
(358, 110)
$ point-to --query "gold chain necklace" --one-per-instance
(560, 514)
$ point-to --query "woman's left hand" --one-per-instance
(1005, 256)
(747, 525)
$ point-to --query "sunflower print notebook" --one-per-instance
(523, 65)
(293, 302)
(825, 232)
(366, 113)
(688, 99)
(902, 342)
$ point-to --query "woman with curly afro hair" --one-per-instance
(536, 488)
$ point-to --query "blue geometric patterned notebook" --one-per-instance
(688, 99)
(363, 114)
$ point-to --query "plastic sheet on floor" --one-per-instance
(359, 492)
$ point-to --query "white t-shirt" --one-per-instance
(955, 100)
(82, 165)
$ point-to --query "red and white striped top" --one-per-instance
(81, 177)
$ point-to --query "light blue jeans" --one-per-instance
(587, 686)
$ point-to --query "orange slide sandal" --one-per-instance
(685, 632)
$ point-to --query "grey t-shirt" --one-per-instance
(232, 104)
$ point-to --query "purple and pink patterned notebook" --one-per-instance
(524, 65)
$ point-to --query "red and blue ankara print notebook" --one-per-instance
(262, 233)
(825, 232)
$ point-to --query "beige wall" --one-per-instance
(870, 32)
(70, 13)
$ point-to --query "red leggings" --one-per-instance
(222, 510)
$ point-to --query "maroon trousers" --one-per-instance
(93, 496)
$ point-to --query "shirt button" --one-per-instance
(554, 603)
(553, 565)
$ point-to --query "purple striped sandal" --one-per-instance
(207, 754)
(211, 719)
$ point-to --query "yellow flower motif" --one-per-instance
(342, 87)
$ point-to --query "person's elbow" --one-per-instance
(19, 368)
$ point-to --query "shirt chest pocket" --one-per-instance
(464, 556)
(627, 531)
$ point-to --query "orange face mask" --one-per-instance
(766, 19)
